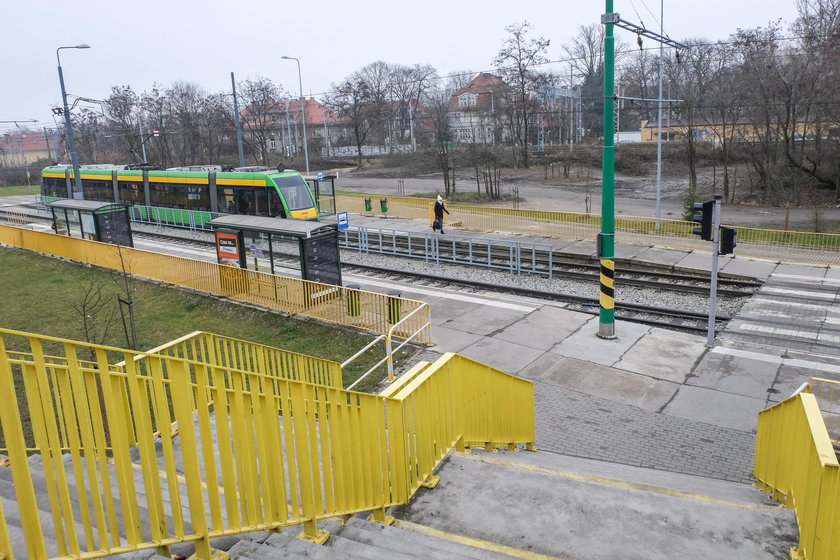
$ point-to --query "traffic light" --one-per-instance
(727, 240)
(704, 219)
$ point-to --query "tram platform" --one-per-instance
(651, 397)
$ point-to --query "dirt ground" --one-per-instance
(634, 196)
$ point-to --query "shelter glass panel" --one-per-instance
(74, 223)
(257, 251)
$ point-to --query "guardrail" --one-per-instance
(253, 452)
(194, 220)
(334, 304)
(234, 353)
(635, 230)
(513, 256)
(795, 461)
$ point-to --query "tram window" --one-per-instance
(227, 203)
(261, 198)
(162, 194)
(244, 200)
(98, 190)
(131, 193)
(275, 207)
(198, 197)
(295, 192)
(55, 187)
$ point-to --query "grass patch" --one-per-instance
(43, 295)
(19, 190)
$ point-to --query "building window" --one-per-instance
(272, 144)
(467, 100)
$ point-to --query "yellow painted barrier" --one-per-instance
(234, 353)
(253, 451)
(795, 461)
(633, 230)
(371, 311)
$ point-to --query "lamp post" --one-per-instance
(302, 111)
(78, 192)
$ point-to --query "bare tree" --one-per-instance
(97, 312)
(436, 103)
(725, 104)
(122, 110)
(516, 62)
(586, 56)
(260, 117)
(351, 100)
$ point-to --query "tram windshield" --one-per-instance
(295, 192)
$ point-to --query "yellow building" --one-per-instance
(710, 132)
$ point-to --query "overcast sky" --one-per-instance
(203, 41)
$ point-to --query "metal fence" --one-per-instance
(515, 257)
(795, 461)
(823, 248)
(369, 311)
(252, 451)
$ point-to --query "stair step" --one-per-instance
(432, 547)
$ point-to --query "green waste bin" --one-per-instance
(354, 304)
(368, 205)
(394, 307)
(383, 204)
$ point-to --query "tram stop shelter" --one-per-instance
(304, 249)
(323, 187)
(92, 220)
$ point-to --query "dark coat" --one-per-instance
(439, 210)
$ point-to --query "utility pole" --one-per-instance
(659, 120)
(238, 124)
(606, 239)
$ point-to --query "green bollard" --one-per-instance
(394, 307)
(368, 205)
(383, 204)
(354, 304)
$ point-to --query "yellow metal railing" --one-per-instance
(827, 392)
(253, 451)
(795, 461)
(334, 304)
(234, 353)
(634, 230)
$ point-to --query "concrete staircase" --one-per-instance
(358, 539)
(520, 505)
(355, 538)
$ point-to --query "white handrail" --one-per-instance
(389, 353)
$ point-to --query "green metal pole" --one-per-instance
(606, 326)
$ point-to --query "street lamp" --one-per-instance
(78, 192)
(302, 111)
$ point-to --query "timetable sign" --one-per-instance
(343, 220)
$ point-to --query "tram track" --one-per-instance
(643, 279)
(676, 319)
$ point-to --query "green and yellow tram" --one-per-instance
(277, 192)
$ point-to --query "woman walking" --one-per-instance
(439, 210)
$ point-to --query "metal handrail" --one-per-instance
(389, 353)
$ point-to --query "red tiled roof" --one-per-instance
(24, 141)
(482, 85)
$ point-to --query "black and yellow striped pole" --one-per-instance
(606, 239)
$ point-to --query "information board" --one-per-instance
(115, 228)
(321, 260)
